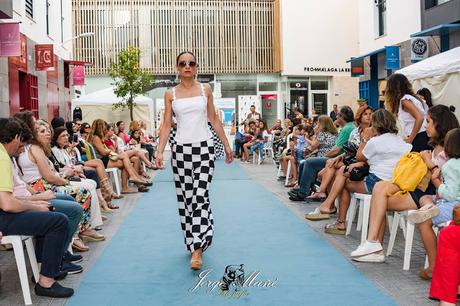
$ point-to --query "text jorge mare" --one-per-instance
(250, 281)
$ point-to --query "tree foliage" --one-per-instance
(129, 79)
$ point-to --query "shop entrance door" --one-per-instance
(319, 102)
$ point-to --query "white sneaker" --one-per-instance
(373, 257)
(366, 248)
(421, 215)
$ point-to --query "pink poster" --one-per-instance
(78, 75)
(10, 41)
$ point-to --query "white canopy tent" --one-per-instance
(99, 105)
(441, 75)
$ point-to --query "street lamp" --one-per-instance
(87, 34)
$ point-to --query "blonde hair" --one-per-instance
(327, 125)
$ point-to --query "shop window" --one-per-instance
(268, 86)
(319, 85)
(381, 16)
(431, 3)
(364, 90)
(30, 8)
(28, 93)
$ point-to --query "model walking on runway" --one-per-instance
(192, 154)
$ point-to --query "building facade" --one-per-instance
(385, 23)
(265, 49)
(22, 86)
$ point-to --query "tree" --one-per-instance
(129, 79)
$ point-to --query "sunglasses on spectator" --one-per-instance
(183, 64)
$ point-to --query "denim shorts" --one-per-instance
(369, 182)
(446, 209)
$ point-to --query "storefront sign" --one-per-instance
(325, 69)
(10, 41)
(392, 55)
(44, 55)
(419, 48)
(78, 75)
(357, 67)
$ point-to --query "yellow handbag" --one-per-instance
(409, 172)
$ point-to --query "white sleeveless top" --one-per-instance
(406, 119)
(29, 169)
(192, 118)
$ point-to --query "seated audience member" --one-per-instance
(309, 168)
(121, 132)
(121, 160)
(39, 173)
(248, 134)
(440, 120)
(261, 140)
(92, 169)
(22, 218)
(381, 148)
(437, 209)
(335, 169)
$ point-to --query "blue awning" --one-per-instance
(366, 55)
(441, 29)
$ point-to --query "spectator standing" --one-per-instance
(334, 112)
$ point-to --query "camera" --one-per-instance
(74, 138)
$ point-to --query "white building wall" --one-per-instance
(318, 34)
(403, 19)
(35, 28)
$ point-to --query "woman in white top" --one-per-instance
(192, 153)
(410, 111)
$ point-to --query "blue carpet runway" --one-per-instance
(146, 262)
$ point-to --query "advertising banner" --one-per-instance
(78, 75)
(10, 39)
(44, 55)
(419, 48)
(392, 54)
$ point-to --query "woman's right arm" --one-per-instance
(165, 127)
(44, 167)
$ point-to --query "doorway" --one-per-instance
(269, 108)
(319, 102)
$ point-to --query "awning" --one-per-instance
(441, 29)
(78, 63)
(366, 55)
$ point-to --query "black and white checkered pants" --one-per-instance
(193, 168)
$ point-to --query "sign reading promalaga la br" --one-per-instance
(233, 284)
(325, 69)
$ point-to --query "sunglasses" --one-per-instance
(183, 64)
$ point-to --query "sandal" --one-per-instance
(291, 185)
(142, 188)
(318, 215)
(116, 196)
(316, 196)
(79, 246)
(113, 206)
(332, 228)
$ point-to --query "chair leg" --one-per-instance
(394, 229)
(288, 173)
(351, 214)
(33, 260)
(402, 225)
(117, 182)
(408, 246)
(21, 264)
(366, 205)
(359, 223)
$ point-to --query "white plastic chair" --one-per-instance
(16, 241)
(364, 202)
(114, 173)
(408, 228)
